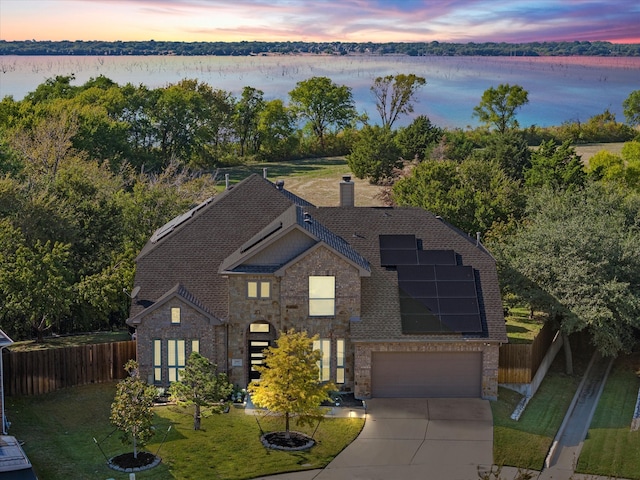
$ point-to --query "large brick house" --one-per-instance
(404, 305)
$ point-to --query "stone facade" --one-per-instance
(193, 326)
(288, 308)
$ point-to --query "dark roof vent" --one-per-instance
(280, 184)
(307, 217)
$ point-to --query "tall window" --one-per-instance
(175, 315)
(324, 364)
(157, 361)
(322, 296)
(195, 346)
(176, 358)
(257, 289)
(340, 360)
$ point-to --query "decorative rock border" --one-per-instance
(155, 463)
(310, 442)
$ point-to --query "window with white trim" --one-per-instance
(322, 296)
(340, 360)
(324, 364)
(157, 361)
(258, 289)
(176, 359)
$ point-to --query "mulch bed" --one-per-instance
(279, 441)
(127, 462)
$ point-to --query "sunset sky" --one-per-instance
(322, 20)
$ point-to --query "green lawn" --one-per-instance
(611, 448)
(58, 431)
(525, 443)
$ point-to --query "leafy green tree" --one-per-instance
(555, 166)
(511, 152)
(577, 255)
(131, 410)
(472, 195)
(453, 145)
(323, 104)
(246, 118)
(289, 382)
(414, 140)
(276, 129)
(35, 280)
(395, 95)
(605, 165)
(374, 154)
(498, 106)
(199, 385)
(631, 107)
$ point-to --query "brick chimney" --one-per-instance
(347, 192)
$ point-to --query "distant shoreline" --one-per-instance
(255, 48)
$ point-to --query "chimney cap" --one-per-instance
(346, 178)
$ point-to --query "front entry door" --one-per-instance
(256, 356)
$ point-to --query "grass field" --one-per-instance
(521, 328)
(59, 430)
(71, 341)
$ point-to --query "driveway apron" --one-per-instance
(407, 439)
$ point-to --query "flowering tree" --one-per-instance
(200, 386)
(289, 379)
(131, 408)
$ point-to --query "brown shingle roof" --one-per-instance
(380, 314)
(193, 251)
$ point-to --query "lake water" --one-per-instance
(560, 88)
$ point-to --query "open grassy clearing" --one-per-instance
(316, 180)
(58, 431)
(588, 150)
(611, 448)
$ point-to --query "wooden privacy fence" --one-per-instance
(43, 371)
(519, 362)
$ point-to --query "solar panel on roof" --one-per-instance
(420, 324)
(458, 306)
(392, 258)
(462, 323)
(397, 242)
(416, 273)
(436, 257)
(453, 272)
(418, 289)
(457, 289)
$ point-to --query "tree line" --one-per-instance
(90, 171)
(151, 47)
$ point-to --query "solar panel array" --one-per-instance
(436, 294)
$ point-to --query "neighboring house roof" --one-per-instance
(14, 463)
(258, 227)
(178, 291)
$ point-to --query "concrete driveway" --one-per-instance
(445, 439)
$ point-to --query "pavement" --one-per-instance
(451, 439)
(411, 439)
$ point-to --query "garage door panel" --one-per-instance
(420, 374)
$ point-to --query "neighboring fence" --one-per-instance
(43, 371)
(519, 362)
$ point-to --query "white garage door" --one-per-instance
(423, 375)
